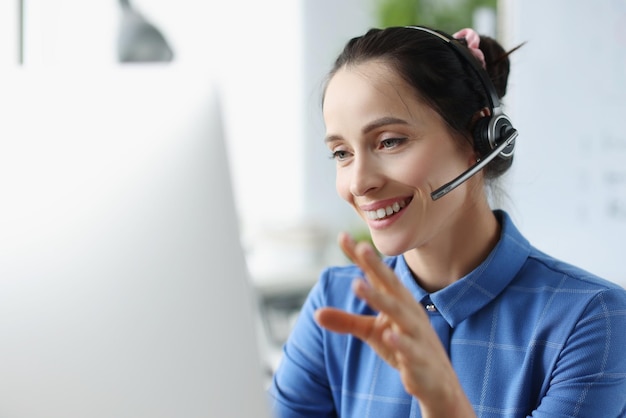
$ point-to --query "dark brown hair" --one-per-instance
(439, 76)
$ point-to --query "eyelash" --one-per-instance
(387, 143)
(391, 142)
(335, 155)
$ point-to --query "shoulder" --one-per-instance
(563, 296)
(589, 314)
(537, 268)
(554, 270)
(556, 293)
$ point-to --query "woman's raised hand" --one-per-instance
(400, 333)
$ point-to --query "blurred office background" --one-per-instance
(567, 89)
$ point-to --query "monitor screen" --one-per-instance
(123, 286)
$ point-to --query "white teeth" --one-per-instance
(384, 212)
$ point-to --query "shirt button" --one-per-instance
(431, 307)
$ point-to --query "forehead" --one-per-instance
(367, 77)
(369, 90)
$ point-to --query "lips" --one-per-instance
(384, 212)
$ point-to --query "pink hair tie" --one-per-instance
(473, 41)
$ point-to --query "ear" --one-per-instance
(482, 113)
(473, 158)
(479, 124)
(478, 115)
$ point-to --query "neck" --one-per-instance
(457, 250)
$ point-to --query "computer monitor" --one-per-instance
(123, 286)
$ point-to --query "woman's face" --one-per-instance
(391, 152)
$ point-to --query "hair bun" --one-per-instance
(497, 62)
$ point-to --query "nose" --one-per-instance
(365, 177)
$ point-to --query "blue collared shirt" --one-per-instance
(526, 334)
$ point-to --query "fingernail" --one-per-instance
(366, 249)
(344, 236)
(390, 336)
(360, 286)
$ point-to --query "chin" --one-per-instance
(387, 248)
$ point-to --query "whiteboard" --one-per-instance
(567, 98)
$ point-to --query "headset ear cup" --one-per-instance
(501, 132)
(481, 136)
(489, 132)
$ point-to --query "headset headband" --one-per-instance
(492, 95)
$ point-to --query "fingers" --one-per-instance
(346, 243)
(400, 333)
(403, 310)
(364, 255)
(343, 322)
(383, 291)
(367, 328)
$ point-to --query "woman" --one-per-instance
(463, 317)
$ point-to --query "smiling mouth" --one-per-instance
(385, 212)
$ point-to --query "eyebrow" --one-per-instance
(376, 124)
(384, 121)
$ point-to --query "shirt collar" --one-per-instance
(471, 293)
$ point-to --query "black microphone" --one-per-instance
(448, 187)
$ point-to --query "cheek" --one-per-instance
(342, 185)
(414, 170)
(436, 167)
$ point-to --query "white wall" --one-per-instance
(327, 25)
(9, 37)
(568, 101)
(253, 45)
(271, 59)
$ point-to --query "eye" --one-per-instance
(340, 155)
(391, 142)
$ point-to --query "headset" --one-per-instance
(494, 135)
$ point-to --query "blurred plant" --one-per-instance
(449, 15)
(362, 234)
